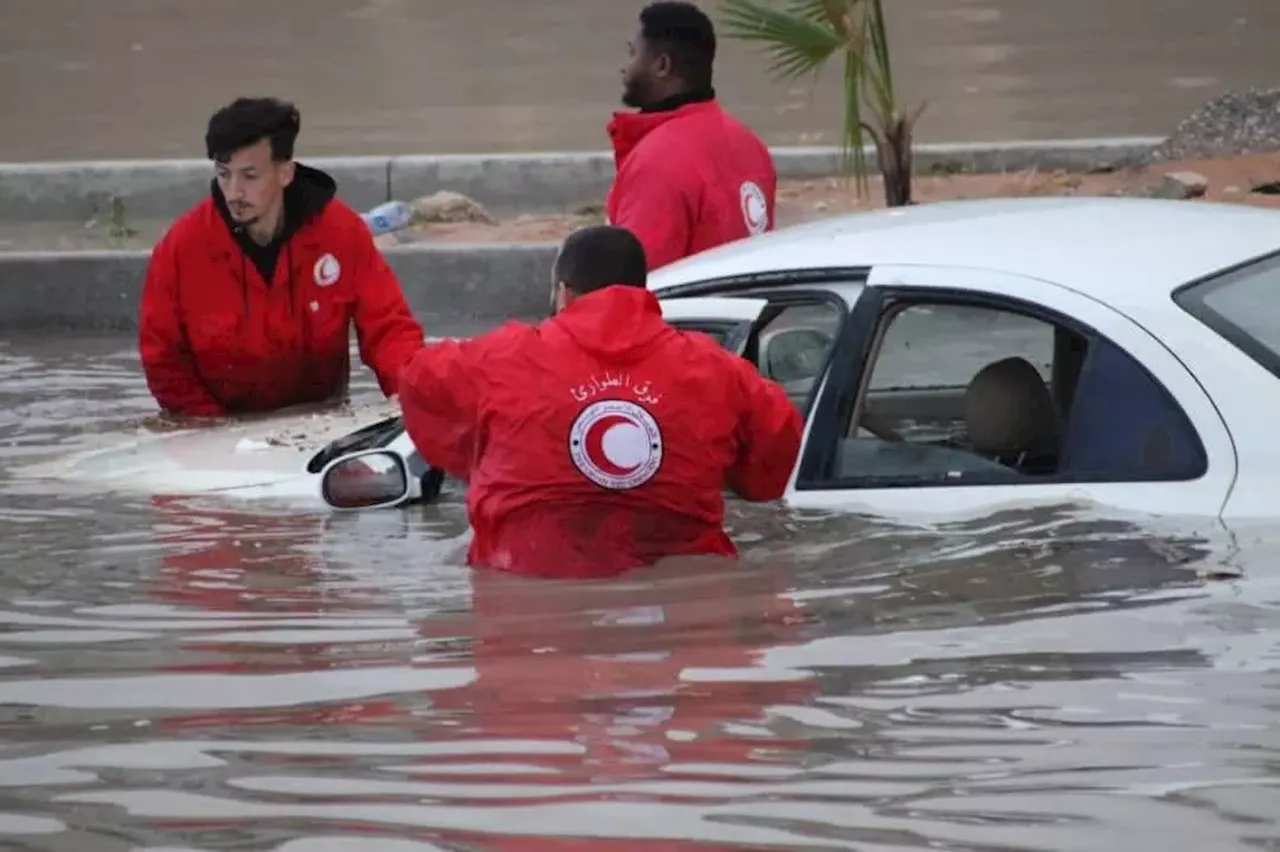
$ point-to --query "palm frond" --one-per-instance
(799, 36)
(878, 58)
(829, 12)
(797, 45)
(852, 142)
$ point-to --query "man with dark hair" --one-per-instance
(250, 295)
(603, 438)
(689, 175)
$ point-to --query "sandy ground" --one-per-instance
(1229, 179)
(138, 78)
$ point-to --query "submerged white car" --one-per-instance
(961, 357)
(351, 458)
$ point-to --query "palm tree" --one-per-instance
(801, 36)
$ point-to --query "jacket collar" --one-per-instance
(627, 129)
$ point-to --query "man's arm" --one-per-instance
(167, 362)
(441, 407)
(386, 331)
(650, 200)
(769, 436)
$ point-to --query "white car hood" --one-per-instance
(236, 455)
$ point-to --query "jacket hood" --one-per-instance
(620, 323)
(304, 199)
(628, 128)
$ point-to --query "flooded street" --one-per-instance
(139, 78)
(185, 675)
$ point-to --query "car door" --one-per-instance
(839, 469)
(729, 319)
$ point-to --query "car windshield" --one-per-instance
(1242, 306)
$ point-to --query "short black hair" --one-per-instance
(599, 256)
(245, 121)
(685, 33)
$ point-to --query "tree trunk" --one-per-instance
(894, 157)
(895, 164)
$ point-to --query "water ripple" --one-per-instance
(182, 675)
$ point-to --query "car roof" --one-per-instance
(1126, 250)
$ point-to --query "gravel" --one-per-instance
(1244, 122)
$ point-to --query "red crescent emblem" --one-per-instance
(594, 444)
(615, 443)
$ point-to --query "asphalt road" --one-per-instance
(138, 78)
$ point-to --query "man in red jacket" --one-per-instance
(249, 297)
(603, 438)
(689, 175)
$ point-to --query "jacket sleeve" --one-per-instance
(167, 361)
(769, 434)
(440, 402)
(651, 201)
(386, 331)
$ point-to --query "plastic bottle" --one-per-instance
(388, 216)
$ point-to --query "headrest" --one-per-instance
(1010, 411)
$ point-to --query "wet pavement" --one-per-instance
(138, 78)
(184, 675)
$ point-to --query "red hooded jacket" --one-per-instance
(689, 179)
(228, 327)
(600, 440)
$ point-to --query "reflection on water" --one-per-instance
(178, 674)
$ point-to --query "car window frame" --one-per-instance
(779, 301)
(1190, 297)
(730, 334)
(845, 286)
(833, 412)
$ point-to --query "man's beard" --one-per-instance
(633, 96)
(245, 218)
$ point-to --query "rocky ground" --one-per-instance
(1244, 178)
(1245, 122)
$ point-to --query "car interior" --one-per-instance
(1007, 420)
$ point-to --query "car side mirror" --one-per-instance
(368, 479)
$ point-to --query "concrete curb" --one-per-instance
(161, 189)
(99, 290)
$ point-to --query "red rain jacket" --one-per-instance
(600, 440)
(228, 327)
(689, 179)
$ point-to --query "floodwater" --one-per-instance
(139, 78)
(191, 676)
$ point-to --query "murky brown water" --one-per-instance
(186, 676)
(138, 78)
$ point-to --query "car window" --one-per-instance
(1124, 425)
(716, 329)
(1243, 307)
(940, 345)
(730, 334)
(975, 394)
(793, 344)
